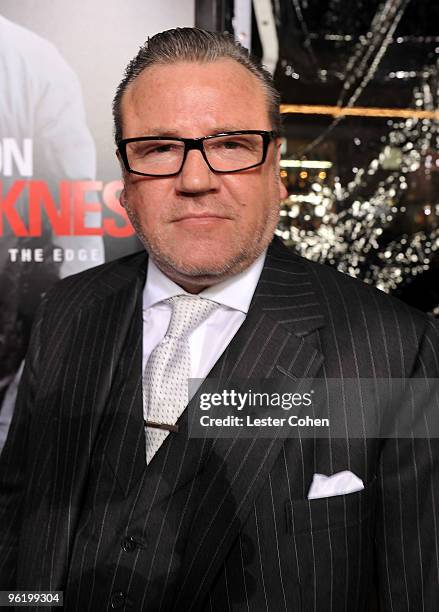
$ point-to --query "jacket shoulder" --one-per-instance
(334, 286)
(86, 288)
(350, 304)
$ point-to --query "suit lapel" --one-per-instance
(92, 351)
(275, 341)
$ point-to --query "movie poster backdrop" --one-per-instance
(60, 63)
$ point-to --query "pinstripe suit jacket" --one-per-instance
(256, 542)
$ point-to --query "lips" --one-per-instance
(195, 217)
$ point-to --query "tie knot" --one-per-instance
(188, 312)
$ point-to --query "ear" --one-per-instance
(122, 167)
(122, 198)
(283, 192)
(119, 159)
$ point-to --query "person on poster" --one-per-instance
(42, 120)
(103, 494)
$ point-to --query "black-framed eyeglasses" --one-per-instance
(226, 152)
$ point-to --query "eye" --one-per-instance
(163, 148)
(231, 144)
(153, 148)
(237, 143)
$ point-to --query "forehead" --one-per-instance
(194, 98)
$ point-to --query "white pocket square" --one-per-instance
(340, 483)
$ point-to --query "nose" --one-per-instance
(196, 176)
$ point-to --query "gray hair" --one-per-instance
(194, 45)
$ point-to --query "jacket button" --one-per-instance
(128, 544)
(117, 600)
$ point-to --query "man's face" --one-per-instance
(199, 226)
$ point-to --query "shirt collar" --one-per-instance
(235, 292)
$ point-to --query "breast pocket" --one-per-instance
(332, 539)
(305, 516)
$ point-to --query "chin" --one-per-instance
(200, 269)
(203, 261)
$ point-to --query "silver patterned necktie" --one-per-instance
(166, 374)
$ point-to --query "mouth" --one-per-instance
(200, 219)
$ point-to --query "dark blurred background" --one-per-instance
(363, 188)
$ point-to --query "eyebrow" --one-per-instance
(158, 131)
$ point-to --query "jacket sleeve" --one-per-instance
(14, 462)
(407, 542)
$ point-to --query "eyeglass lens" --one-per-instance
(224, 153)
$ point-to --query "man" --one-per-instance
(43, 105)
(118, 519)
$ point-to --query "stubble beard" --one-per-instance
(205, 275)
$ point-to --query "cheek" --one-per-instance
(145, 204)
(247, 194)
(262, 200)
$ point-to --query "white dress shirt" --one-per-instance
(208, 341)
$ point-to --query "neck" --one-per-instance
(192, 284)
